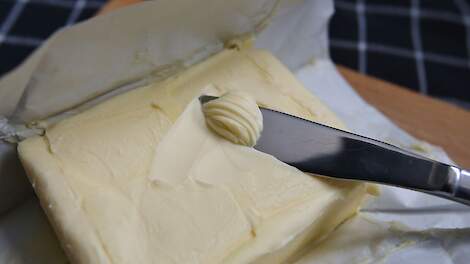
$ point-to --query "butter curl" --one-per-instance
(236, 117)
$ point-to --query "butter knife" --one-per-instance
(327, 151)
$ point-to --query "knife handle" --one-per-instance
(461, 190)
(457, 187)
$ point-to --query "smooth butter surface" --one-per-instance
(136, 180)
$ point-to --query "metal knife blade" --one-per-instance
(323, 150)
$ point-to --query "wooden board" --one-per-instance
(428, 119)
(116, 4)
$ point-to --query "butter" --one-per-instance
(140, 178)
(236, 117)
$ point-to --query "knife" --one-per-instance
(319, 149)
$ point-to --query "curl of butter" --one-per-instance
(236, 117)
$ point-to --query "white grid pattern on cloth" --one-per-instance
(418, 47)
(76, 7)
(381, 9)
(464, 9)
(362, 36)
(22, 41)
(11, 19)
(415, 13)
(401, 52)
(67, 4)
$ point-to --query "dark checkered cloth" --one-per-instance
(420, 44)
(24, 24)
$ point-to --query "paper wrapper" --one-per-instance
(110, 54)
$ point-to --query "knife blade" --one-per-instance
(319, 149)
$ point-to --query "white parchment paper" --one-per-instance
(157, 38)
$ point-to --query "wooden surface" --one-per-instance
(428, 119)
(115, 4)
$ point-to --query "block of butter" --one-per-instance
(140, 178)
